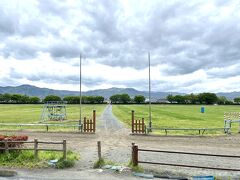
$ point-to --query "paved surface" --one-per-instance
(108, 122)
(52, 174)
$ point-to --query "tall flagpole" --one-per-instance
(149, 89)
(80, 100)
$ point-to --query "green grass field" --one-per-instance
(177, 116)
(32, 113)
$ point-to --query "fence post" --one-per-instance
(64, 149)
(6, 146)
(35, 148)
(143, 126)
(99, 150)
(135, 155)
(88, 125)
(132, 121)
(94, 121)
(84, 124)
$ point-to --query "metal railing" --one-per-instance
(136, 161)
(199, 130)
(46, 125)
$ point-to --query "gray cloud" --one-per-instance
(20, 49)
(185, 36)
(53, 78)
(8, 21)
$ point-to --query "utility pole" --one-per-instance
(80, 100)
(149, 90)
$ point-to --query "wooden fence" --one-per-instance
(138, 126)
(136, 161)
(89, 125)
(35, 148)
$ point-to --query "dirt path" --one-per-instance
(116, 146)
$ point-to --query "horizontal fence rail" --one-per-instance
(43, 125)
(136, 150)
(35, 148)
(200, 130)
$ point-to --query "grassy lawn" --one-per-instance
(32, 113)
(177, 116)
(25, 158)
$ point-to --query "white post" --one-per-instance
(149, 86)
(80, 100)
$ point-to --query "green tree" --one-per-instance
(222, 100)
(207, 98)
(120, 98)
(192, 98)
(170, 98)
(1, 98)
(24, 99)
(72, 99)
(34, 100)
(52, 98)
(115, 98)
(16, 98)
(180, 99)
(125, 98)
(91, 99)
(7, 97)
(237, 100)
(139, 99)
(99, 99)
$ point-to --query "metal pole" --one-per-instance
(149, 83)
(80, 100)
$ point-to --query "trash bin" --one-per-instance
(202, 109)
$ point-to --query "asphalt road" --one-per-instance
(108, 122)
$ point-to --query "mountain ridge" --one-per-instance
(31, 90)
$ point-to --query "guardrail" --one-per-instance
(35, 148)
(46, 125)
(200, 130)
(136, 161)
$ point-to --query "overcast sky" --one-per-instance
(194, 44)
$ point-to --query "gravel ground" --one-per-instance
(116, 146)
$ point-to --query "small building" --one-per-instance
(163, 101)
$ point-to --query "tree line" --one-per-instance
(126, 99)
(201, 98)
(24, 99)
(19, 99)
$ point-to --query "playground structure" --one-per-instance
(54, 111)
(229, 118)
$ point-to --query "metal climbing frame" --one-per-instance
(54, 111)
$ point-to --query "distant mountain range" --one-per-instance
(42, 92)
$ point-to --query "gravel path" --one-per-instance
(116, 146)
